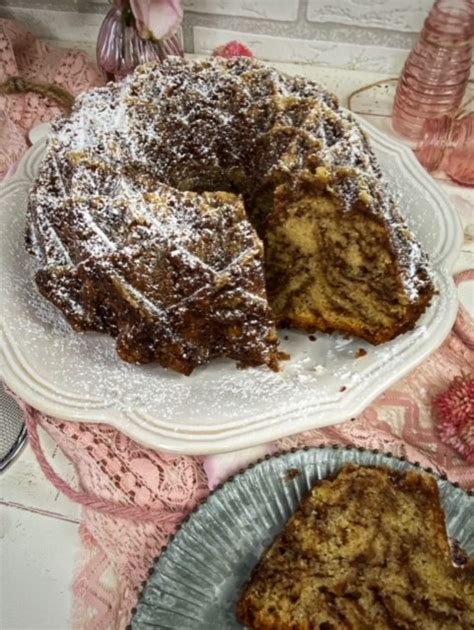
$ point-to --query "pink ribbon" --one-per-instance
(117, 510)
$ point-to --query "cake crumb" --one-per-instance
(360, 353)
(377, 524)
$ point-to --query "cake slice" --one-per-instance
(365, 550)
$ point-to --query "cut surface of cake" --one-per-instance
(367, 549)
(337, 254)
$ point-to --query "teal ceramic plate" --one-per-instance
(197, 580)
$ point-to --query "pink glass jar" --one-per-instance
(435, 75)
(447, 144)
(120, 49)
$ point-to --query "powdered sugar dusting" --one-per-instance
(103, 239)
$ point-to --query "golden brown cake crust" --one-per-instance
(367, 549)
(178, 279)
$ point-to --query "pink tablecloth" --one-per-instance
(22, 54)
(117, 475)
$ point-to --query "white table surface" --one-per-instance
(40, 547)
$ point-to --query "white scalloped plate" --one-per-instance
(79, 377)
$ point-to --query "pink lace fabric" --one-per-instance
(115, 475)
(22, 54)
(115, 468)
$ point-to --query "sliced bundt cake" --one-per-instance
(338, 256)
(367, 549)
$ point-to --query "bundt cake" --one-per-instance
(154, 198)
(367, 549)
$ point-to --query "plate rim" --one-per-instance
(170, 440)
(279, 454)
(215, 438)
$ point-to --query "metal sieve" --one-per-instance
(12, 428)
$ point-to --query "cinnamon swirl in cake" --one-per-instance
(367, 549)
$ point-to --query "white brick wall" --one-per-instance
(279, 10)
(52, 25)
(374, 35)
(335, 54)
(401, 15)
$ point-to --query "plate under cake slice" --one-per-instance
(365, 550)
(176, 277)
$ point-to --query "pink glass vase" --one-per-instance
(447, 144)
(435, 75)
(120, 49)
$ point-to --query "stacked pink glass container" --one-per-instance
(447, 145)
(436, 72)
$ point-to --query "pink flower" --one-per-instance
(157, 19)
(232, 49)
(219, 467)
(455, 409)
